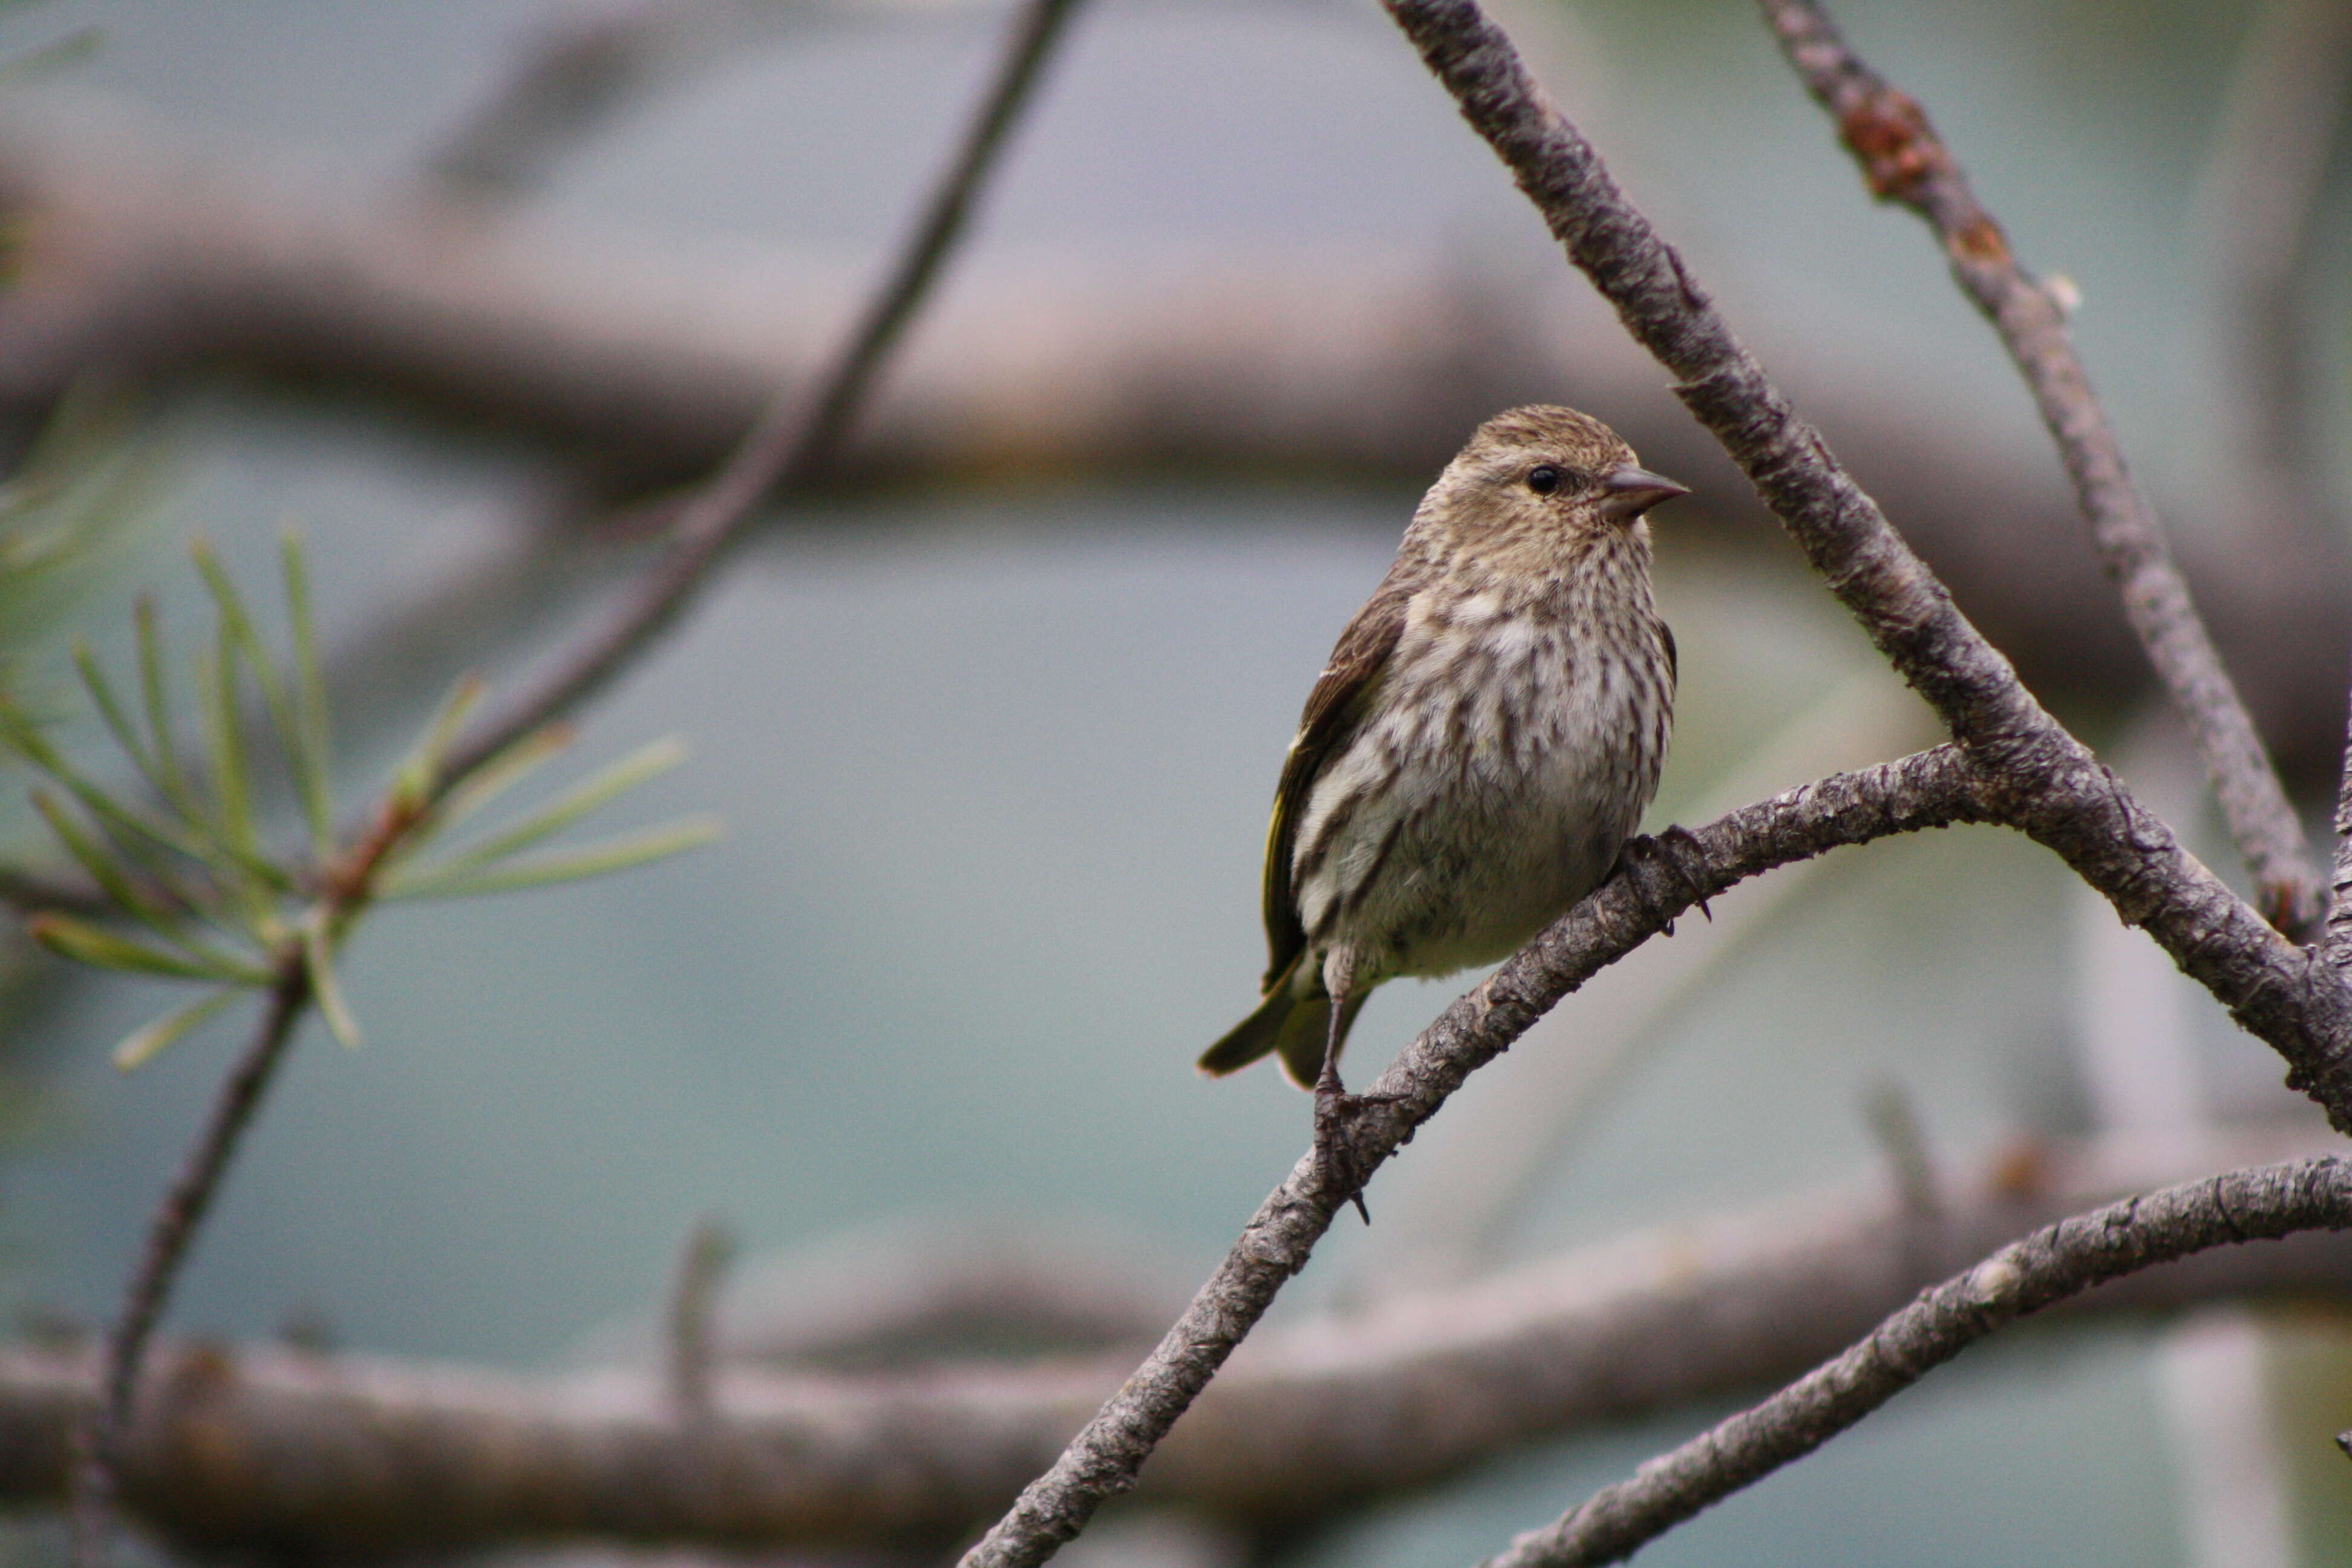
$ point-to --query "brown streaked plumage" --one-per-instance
(1482, 744)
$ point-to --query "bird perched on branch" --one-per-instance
(1479, 750)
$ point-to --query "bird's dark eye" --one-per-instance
(1543, 481)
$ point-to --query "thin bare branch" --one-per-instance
(2013, 763)
(242, 1448)
(793, 443)
(2051, 788)
(801, 431)
(1929, 789)
(701, 1266)
(1903, 160)
(169, 1235)
(2056, 1262)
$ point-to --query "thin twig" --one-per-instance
(2034, 774)
(801, 433)
(1903, 161)
(702, 1264)
(1894, 1121)
(2049, 1266)
(793, 442)
(1929, 789)
(186, 1201)
(2053, 788)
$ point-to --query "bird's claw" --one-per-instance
(1674, 854)
(1340, 1117)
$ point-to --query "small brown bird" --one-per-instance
(1482, 744)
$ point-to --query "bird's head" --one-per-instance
(1544, 479)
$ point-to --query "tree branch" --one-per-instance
(800, 434)
(1903, 160)
(151, 262)
(2056, 1262)
(170, 1233)
(2049, 785)
(2016, 763)
(1929, 789)
(793, 443)
(248, 1448)
(702, 1264)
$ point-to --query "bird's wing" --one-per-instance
(1335, 712)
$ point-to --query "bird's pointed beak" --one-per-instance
(1629, 492)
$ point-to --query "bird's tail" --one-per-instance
(1293, 1020)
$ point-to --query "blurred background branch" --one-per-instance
(250, 1448)
(146, 263)
(2026, 1275)
(1903, 160)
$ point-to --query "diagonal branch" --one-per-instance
(2049, 1266)
(2013, 763)
(1928, 789)
(801, 433)
(2049, 785)
(98, 1436)
(793, 442)
(1903, 160)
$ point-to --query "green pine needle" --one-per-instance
(155, 688)
(421, 767)
(96, 945)
(501, 774)
(144, 1044)
(310, 742)
(224, 747)
(318, 956)
(117, 720)
(595, 860)
(639, 767)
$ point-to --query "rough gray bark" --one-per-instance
(1930, 789)
(1903, 160)
(793, 443)
(253, 1446)
(2049, 784)
(2011, 761)
(2026, 1275)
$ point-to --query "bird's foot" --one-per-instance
(1672, 864)
(1341, 1120)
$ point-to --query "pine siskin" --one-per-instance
(1482, 744)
